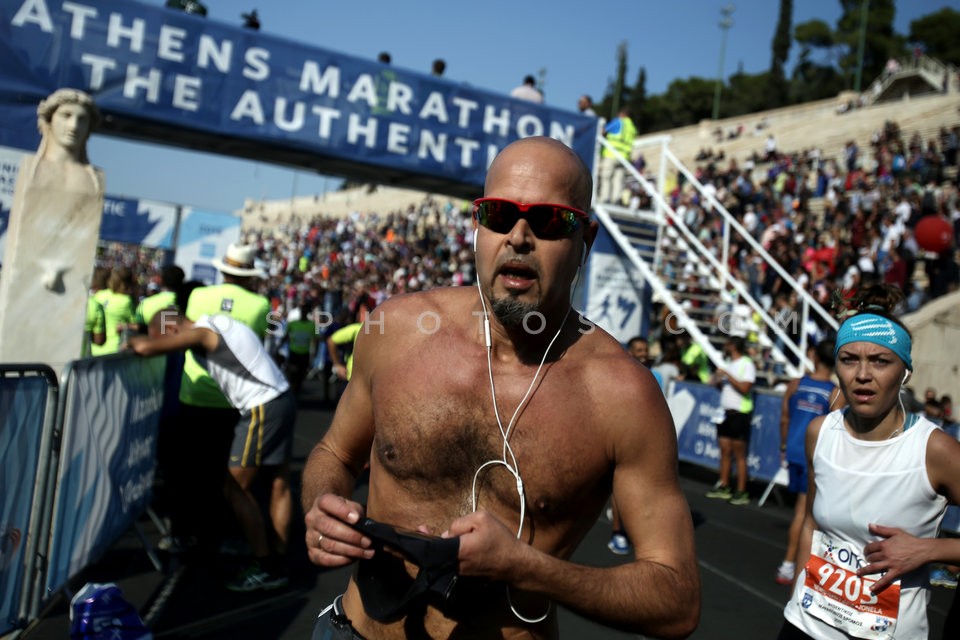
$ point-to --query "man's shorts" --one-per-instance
(264, 434)
(735, 426)
(333, 624)
(798, 477)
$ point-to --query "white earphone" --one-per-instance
(475, 234)
(583, 255)
(906, 374)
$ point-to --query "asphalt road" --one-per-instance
(739, 549)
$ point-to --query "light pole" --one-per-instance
(725, 23)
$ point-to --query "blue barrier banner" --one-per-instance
(165, 74)
(22, 402)
(107, 455)
(696, 413)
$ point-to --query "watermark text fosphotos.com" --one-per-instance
(427, 322)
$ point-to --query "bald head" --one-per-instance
(529, 167)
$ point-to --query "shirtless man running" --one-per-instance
(519, 485)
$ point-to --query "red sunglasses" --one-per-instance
(547, 221)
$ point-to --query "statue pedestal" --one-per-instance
(50, 252)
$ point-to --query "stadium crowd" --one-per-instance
(833, 223)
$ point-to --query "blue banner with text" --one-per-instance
(153, 66)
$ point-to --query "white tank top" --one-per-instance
(860, 482)
(241, 366)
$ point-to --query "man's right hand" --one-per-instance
(331, 540)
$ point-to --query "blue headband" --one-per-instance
(869, 327)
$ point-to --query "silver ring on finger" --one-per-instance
(319, 540)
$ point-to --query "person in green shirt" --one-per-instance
(117, 308)
(300, 336)
(696, 361)
(171, 279)
(94, 327)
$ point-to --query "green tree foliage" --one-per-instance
(637, 104)
(881, 43)
(778, 89)
(815, 75)
(826, 65)
(749, 93)
(938, 33)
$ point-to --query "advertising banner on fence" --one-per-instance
(617, 296)
(111, 415)
(696, 413)
(22, 402)
(181, 79)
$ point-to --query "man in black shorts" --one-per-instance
(736, 383)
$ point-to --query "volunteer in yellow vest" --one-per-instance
(94, 327)
(735, 380)
(300, 336)
(207, 419)
(117, 309)
(171, 279)
(98, 285)
(696, 362)
(620, 133)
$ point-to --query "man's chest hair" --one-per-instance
(436, 447)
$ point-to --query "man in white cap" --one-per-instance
(207, 418)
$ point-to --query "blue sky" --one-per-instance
(490, 44)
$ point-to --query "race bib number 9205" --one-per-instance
(834, 593)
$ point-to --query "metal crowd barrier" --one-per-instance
(28, 410)
(77, 461)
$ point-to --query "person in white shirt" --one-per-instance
(879, 481)
(528, 91)
(237, 360)
(736, 384)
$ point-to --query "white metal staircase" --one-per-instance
(693, 281)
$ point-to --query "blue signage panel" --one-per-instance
(149, 67)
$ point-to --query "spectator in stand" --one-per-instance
(585, 106)
(528, 91)
(770, 149)
(438, 67)
(620, 133)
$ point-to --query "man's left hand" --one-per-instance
(487, 548)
